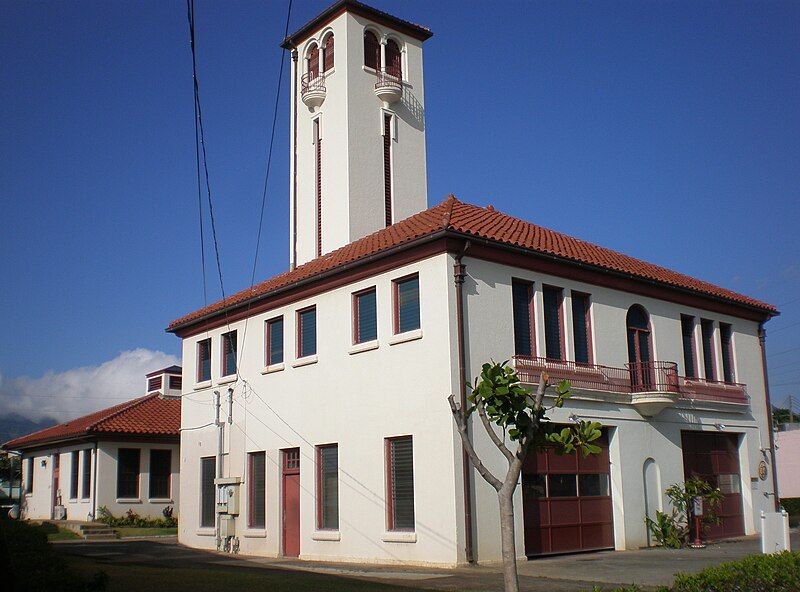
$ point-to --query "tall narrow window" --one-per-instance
(274, 341)
(160, 474)
(372, 51)
(328, 487)
(365, 316)
(387, 168)
(707, 330)
(400, 473)
(312, 62)
(687, 334)
(393, 59)
(406, 304)
(204, 360)
(229, 353)
(306, 332)
(553, 327)
(86, 485)
(318, 187)
(128, 473)
(522, 304)
(726, 340)
(327, 54)
(208, 471)
(581, 327)
(638, 322)
(256, 490)
(75, 473)
(29, 475)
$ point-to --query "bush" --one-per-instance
(132, 519)
(757, 573)
(792, 506)
(29, 563)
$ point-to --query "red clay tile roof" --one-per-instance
(146, 416)
(487, 223)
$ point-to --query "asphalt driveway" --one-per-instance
(568, 573)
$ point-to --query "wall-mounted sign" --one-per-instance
(762, 470)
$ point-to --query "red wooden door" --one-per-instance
(291, 502)
(566, 502)
(715, 459)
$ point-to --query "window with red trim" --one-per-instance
(687, 338)
(707, 331)
(406, 304)
(306, 332)
(274, 341)
(400, 483)
(522, 310)
(726, 340)
(372, 51)
(328, 487)
(394, 61)
(204, 360)
(581, 327)
(229, 353)
(312, 61)
(256, 489)
(365, 316)
(327, 53)
(553, 322)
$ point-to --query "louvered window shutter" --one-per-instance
(329, 487)
(256, 490)
(407, 304)
(687, 335)
(521, 293)
(402, 483)
(207, 495)
(367, 319)
(580, 326)
(552, 322)
(327, 54)
(308, 332)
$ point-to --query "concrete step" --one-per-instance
(98, 531)
(105, 536)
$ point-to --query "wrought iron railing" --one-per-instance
(636, 377)
(390, 77)
(312, 81)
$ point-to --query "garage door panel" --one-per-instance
(564, 511)
(596, 536)
(564, 538)
(596, 510)
(567, 463)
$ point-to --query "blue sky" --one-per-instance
(669, 131)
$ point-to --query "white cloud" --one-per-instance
(76, 392)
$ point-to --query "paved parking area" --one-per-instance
(568, 573)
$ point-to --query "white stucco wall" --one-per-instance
(103, 483)
(634, 439)
(351, 128)
(352, 398)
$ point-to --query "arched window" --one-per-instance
(393, 60)
(639, 345)
(312, 61)
(372, 51)
(327, 53)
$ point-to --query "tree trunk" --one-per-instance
(506, 499)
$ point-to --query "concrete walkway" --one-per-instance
(569, 573)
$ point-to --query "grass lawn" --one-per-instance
(135, 578)
(54, 533)
(146, 532)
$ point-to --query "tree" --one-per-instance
(500, 399)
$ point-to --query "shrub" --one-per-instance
(132, 519)
(29, 563)
(757, 573)
(674, 529)
(792, 506)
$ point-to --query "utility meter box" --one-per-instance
(228, 495)
(227, 526)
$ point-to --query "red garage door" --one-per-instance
(715, 459)
(567, 502)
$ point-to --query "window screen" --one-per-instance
(328, 494)
(401, 484)
(552, 322)
(128, 473)
(160, 473)
(366, 316)
(522, 298)
(256, 517)
(407, 304)
(307, 332)
(207, 498)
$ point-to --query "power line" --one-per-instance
(199, 131)
(264, 191)
(785, 327)
(786, 351)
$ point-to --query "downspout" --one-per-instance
(762, 338)
(94, 484)
(294, 159)
(459, 274)
(220, 442)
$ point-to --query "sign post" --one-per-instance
(697, 513)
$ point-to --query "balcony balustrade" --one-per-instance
(652, 386)
(312, 89)
(389, 85)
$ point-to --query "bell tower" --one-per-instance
(357, 127)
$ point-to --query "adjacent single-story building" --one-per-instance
(125, 457)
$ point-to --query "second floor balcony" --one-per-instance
(312, 89)
(389, 85)
(648, 386)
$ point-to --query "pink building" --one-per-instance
(788, 462)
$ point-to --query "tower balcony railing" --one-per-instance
(634, 379)
(312, 88)
(389, 84)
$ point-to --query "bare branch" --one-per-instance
(492, 434)
(461, 424)
(543, 379)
